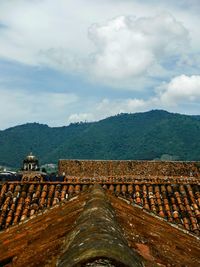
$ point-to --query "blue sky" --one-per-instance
(84, 60)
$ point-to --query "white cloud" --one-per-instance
(36, 26)
(17, 107)
(80, 117)
(108, 107)
(118, 52)
(120, 43)
(56, 109)
(128, 48)
(180, 89)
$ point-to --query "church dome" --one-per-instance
(31, 158)
(31, 163)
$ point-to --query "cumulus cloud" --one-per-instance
(116, 51)
(180, 89)
(57, 109)
(122, 43)
(129, 47)
(173, 96)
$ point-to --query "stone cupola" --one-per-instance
(30, 163)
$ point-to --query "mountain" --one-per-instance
(156, 134)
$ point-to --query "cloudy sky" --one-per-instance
(83, 60)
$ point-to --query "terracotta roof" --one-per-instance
(176, 203)
(74, 233)
(37, 241)
(117, 168)
(158, 242)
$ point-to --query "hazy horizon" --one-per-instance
(50, 126)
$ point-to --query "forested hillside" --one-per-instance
(150, 135)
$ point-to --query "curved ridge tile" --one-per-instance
(97, 235)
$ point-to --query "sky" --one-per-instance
(67, 61)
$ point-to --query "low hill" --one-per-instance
(150, 135)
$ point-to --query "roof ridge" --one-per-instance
(97, 235)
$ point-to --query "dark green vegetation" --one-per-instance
(150, 135)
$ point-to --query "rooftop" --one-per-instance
(110, 217)
(122, 235)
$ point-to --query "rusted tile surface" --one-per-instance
(52, 236)
(159, 243)
(177, 203)
(106, 168)
(38, 241)
(129, 179)
(20, 201)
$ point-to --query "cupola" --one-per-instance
(30, 163)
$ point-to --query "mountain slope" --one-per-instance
(147, 135)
